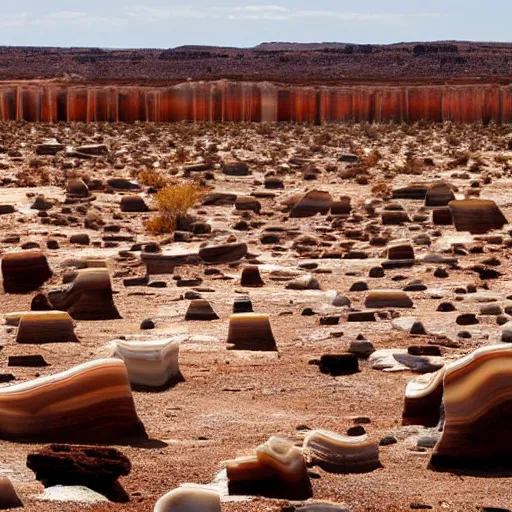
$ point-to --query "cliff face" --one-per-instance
(246, 101)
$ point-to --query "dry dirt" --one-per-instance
(231, 402)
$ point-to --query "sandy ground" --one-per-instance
(230, 402)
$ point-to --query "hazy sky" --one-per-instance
(169, 23)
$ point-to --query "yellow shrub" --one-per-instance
(171, 203)
(152, 179)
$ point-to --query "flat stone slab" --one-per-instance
(72, 494)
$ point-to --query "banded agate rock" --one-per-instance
(150, 364)
(227, 253)
(478, 216)
(312, 203)
(336, 453)
(90, 403)
(251, 277)
(87, 297)
(200, 309)
(411, 191)
(24, 272)
(189, 499)
(46, 327)
(423, 400)
(133, 204)
(477, 401)
(277, 470)
(250, 331)
(388, 299)
(8, 496)
(439, 194)
(399, 255)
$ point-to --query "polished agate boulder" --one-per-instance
(478, 216)
(336, 453)
(439, 194)
(24, 272)
(388, 299)
(87, 297)
(200, 310)
(189, 499)
(226, 253)
(250, 331)
(251, 277)
(277, 469)
(8, 496)
(150, 364)
(90, 403)
(46, 327)
(423, 400)
(312, 203)
(477, 401)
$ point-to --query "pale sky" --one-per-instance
(169, 23)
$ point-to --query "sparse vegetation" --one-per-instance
(172, 202)
(151, 178)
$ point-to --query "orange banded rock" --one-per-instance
(278, 469)
(250, 331)
(251, 277)
(478, 216)
(388, 299)
(90, 403)
(87, 297)
(477, 401)
(423, 399)
(313, 202)
(46, 327)
(336, 453)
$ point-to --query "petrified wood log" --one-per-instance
(90, 403)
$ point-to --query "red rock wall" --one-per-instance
(233, 101)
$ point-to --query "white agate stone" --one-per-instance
(149, 363)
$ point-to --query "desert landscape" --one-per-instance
(241, 291)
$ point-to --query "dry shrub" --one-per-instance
(412, 166)
(382, 189)
(371, 159)
(152, 179)
(33, 177)
(460, 160)
(502, 159)
(172, 202)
